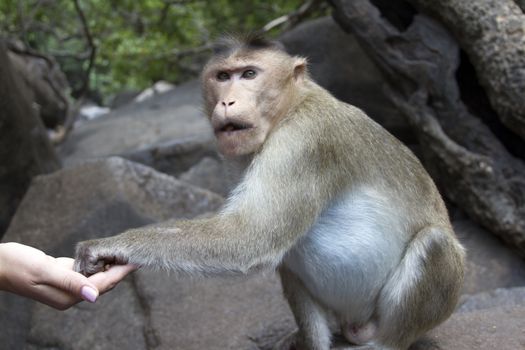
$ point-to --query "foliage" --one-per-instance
(138, 42)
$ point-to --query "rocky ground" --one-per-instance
(153, 161)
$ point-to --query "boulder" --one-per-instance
(116, 321)
(25, 150)
(100, 198)
(486, 321)
(211, 174)
(46, 84)
(94, 199)
(490, 263)
(136, 129)
(123, 98)
(174, 157)
(215, 313)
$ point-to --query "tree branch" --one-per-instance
(294, 17)
(492, 32)
(91, 44)
(63, 132)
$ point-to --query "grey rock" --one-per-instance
(116, 321)
(174, 157)
(490, 263)
(94, 199)
(167, 117)
(497, 298)
(496, 322)
(25, 150)
(123, 98)
(46, 84)
(210, 174)
(215, 313)
(15, 318)
(100, 198)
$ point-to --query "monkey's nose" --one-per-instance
(229, 103)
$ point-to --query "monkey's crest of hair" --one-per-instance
(230, 43)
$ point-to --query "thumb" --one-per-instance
(72, 282)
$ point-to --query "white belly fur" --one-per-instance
(346, 256)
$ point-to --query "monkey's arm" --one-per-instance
(276, 203)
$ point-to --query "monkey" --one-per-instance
(344, 211)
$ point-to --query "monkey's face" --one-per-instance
(245, 96)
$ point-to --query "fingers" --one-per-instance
(63, 287)
(59, 274)
(106, 280)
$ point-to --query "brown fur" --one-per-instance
(304, 149)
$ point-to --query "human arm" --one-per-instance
(29, 272)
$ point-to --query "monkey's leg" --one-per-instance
(423, 290)
(314, 331)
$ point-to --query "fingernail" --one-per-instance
(89, 294)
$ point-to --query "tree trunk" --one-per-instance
(492, 32)
(25, 150)
(419, 60)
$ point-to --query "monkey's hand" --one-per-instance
(95, 255)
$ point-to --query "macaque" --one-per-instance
(345, 212)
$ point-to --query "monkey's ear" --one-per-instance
(299, 68)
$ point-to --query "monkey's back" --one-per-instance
(364, 154)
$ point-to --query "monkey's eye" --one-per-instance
(249, 74)
(223, 76)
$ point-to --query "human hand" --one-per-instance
(31, 273)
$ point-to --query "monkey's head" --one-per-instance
(249, 85)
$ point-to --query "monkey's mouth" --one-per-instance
(232, 126)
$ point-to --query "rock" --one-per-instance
(116, 321)
(490, 263)
(171, 117)
(123, 98)
(345, 70)
(487, 321)
(101, 198)
(94, 199)
(497, 298)
(42, 78)
(215, 313)
(25, 150)
(174, 157)
(92, 111)
(210, 174)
